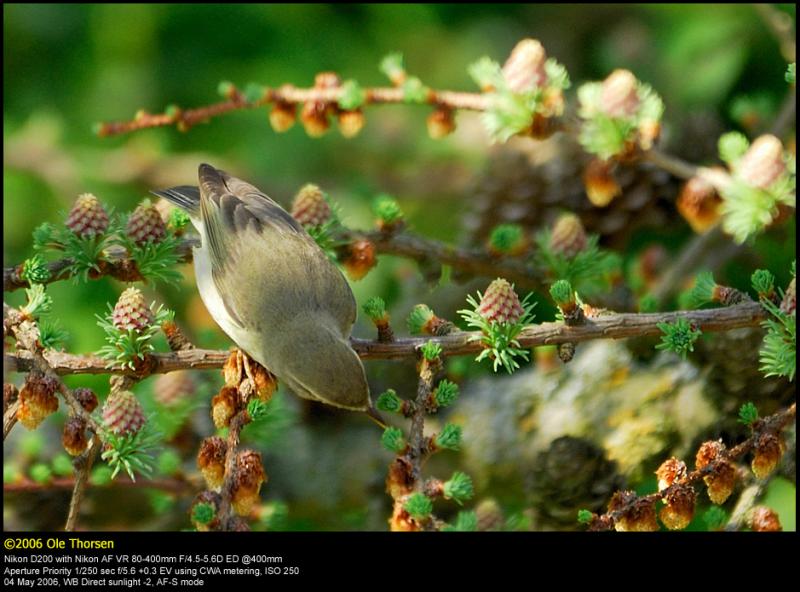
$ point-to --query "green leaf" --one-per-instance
(679, 337)
(353, 96)
(417, 319)
(41, 473)
(703, 290)
(446, 393)
(585, 516)
(450, 438)
(790, 73)
(466, 521)
(418, 505)
(562, 293)
(763, 282)
(505, 237)
(732, 147)
(35, 270)
(431, 350)
(203, 513)
(748, 414)
(375, 308)
(389, 401)
(387, 209)
(393, 440)
(392, 65)
(459, 488)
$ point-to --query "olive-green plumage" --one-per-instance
(273, 290)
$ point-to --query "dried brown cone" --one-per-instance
(87, 398)
(568, 236)
(598, 179)
(359, 259)
(789, 303)
(767, 452)
(224, 406)
(266, 383)
(679, 511)
(37, 400)
(145, 225)
(566, 351)
(211, 461)
(87, 216)
(722, 478)
(399, 481)
(524, 69)
(233, 368)
(351, 122)
(763, 162)
(282, 116)
(763, 519)
(619, 95)
(173, 388)
(74, 437)
(699, 203)
(441, 123)
(123, 414)
(310, 207)
(131, 312)
(248, 478)
(669, 472)
(635, 514)
(176, 338)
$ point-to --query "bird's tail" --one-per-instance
(183, 196)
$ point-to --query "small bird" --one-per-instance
(272, 290)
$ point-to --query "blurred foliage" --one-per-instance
(69, 66)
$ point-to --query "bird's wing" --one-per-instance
(251, 238)
(183, 196)
(319, 364)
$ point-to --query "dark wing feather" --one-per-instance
(183, 196)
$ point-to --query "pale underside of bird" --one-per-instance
(272, 290)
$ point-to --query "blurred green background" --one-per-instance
(67, 67)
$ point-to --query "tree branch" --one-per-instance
(459, 343)
(172, 485)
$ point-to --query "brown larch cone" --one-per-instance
(679, 511)
(524, 69)
(249, 477)
(699, 203)
(767, 453)
(500, 303)
(669, 472)
(619, 96)
(568, 236)
(310, 207)
(224, 406)
(763, 519)
(351, 122)
(37, 400)
(359, 259)
(763, 162)
(123, 414)
(86, 398)
(173, 388)
(131, 312)
(636, 514)
(74, 437)
(282, 116)
(87, 216)
(211, 461)
(145, 224)
(601, 186)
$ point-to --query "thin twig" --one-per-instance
(459, 343)
(83, 469)
(173, 485)
(10, 418)
(287, 94)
